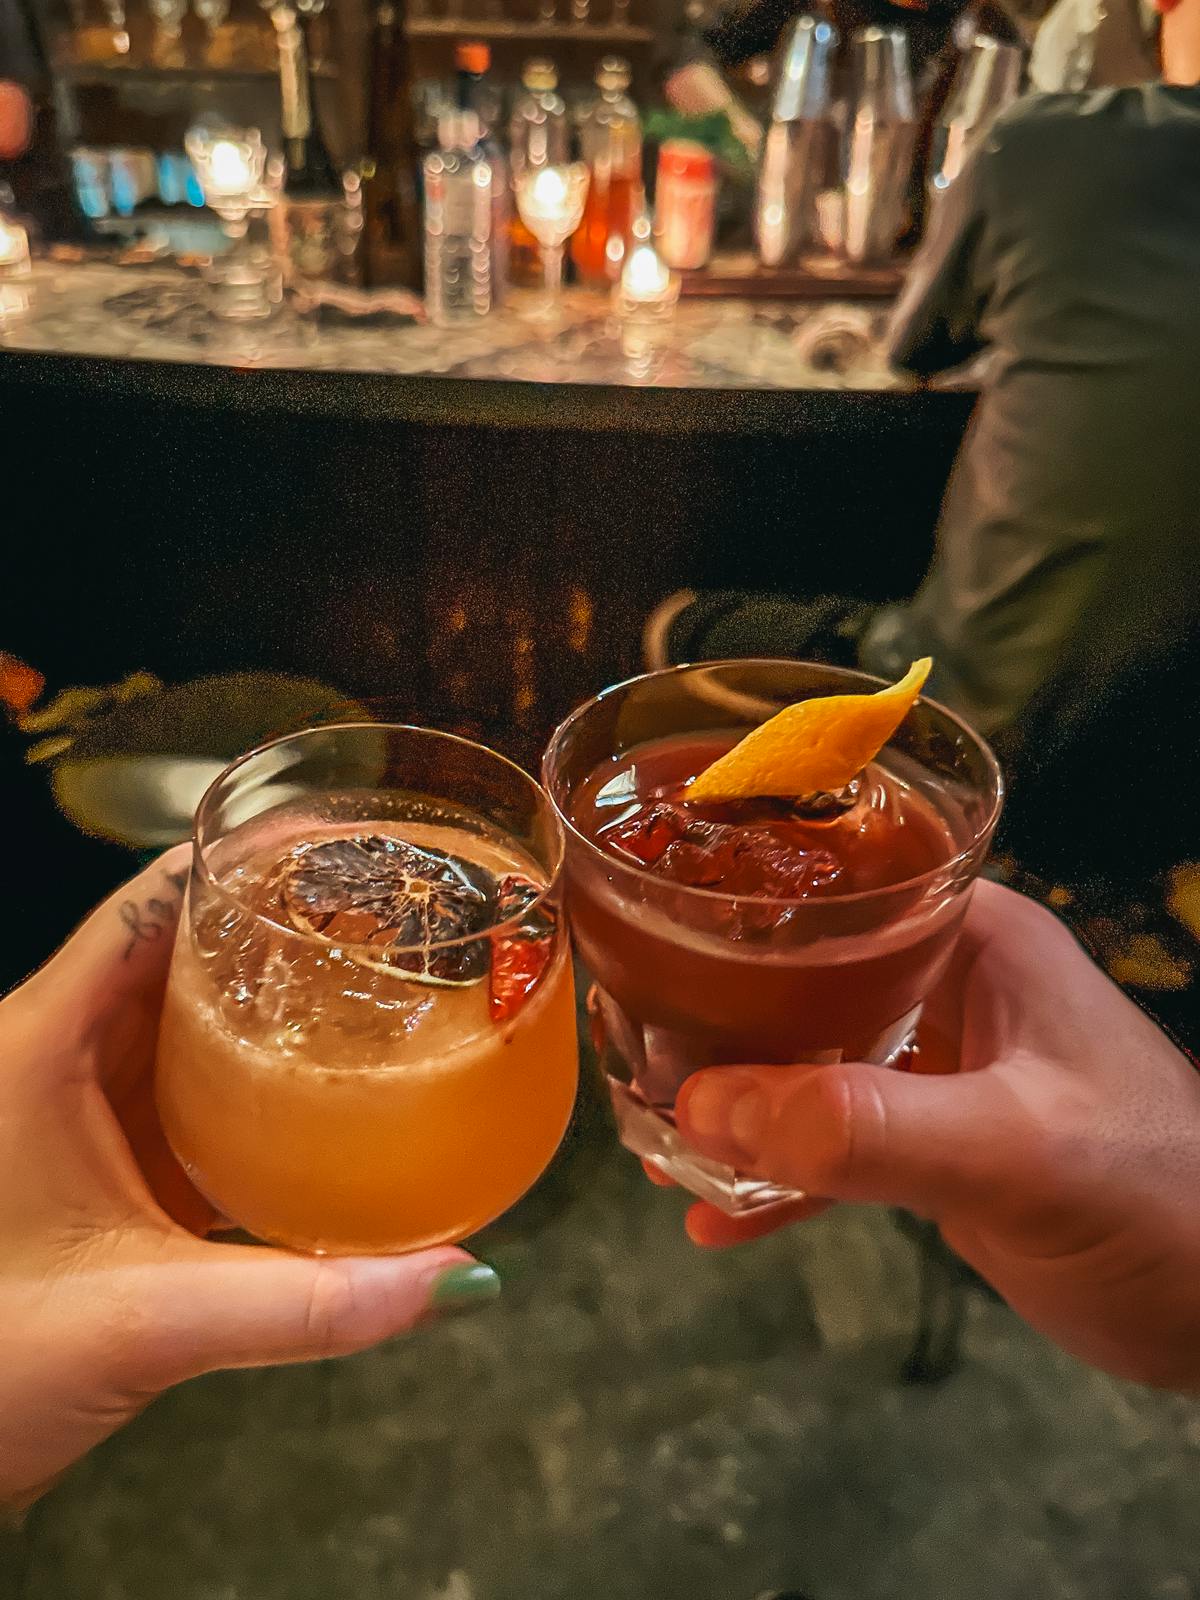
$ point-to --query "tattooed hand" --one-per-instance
(155, 917)
(108, 1291)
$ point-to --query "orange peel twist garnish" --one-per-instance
(813, 747)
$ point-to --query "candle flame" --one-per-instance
(14, 244)
(645, 277)
(229, 167)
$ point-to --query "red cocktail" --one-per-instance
(756, 930)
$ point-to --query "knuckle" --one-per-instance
(139, 1327)
(133, 1345)
(815, 1136)
(329, 1311)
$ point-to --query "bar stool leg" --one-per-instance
(941, 1308)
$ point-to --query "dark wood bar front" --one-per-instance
(480, 543)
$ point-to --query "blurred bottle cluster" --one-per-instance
(119, 181)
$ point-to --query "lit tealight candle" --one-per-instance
(645, 281)
(229, 171)
(14, 249)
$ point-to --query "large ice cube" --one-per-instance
(766, 858)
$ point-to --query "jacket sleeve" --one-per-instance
(937, 321)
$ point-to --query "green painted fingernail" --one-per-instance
(463, 1289)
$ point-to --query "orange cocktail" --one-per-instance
(368, 1041)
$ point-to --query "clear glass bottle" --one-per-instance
(539, 136)
(538, 132)
(475, 91)
(458, 222)
(611, 140)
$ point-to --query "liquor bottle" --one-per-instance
(475, 92)
(539, 136)
(310, 172)
(458, 222)
(473, 89)
(392, 231)
(611, 140)
(538, 133)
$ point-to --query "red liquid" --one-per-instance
(793, 953)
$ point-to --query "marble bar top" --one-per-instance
(101, 317)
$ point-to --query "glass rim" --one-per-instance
(922, 880)
(201, 868)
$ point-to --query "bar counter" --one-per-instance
(472, 521)
(794, 364)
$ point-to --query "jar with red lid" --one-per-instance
(685, 204)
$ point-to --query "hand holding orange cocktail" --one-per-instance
(368, 1040)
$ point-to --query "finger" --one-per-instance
(855, 1132)
(993, 912)
(226, 1305)
(128, 937)
(657, 1176)
(114, 966)
(713, 1230)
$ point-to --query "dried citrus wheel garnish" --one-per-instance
(813, 747)
(413, 907)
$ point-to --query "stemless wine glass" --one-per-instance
(689, 977)
(368, 1040)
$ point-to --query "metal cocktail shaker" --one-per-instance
(799, 159)
(987, 80)
(880, 141)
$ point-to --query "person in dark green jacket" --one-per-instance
(1067, 563)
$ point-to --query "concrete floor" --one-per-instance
(640, 1421)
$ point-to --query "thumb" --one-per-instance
(854, 1132)
(244, 1306)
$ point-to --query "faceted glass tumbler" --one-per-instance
(677, 984)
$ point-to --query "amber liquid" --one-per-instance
(328, 1105)
(598, 246)
(525, 268)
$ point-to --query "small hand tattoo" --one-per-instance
(148, 922)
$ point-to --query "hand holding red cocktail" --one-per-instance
(772, 912)
(1062, 1159)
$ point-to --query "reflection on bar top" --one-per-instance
(158, 314)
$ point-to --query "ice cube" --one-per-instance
(646, 836)
(765, 855)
